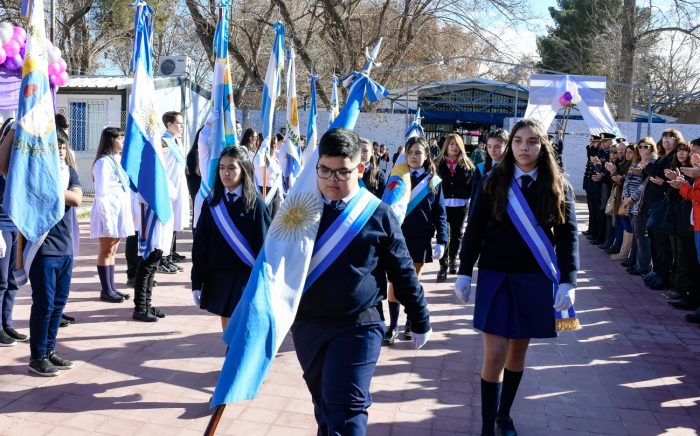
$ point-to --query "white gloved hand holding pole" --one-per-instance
(197, 297)
(420, 339)
(438, 251)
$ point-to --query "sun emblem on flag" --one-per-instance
(297, 219)
(148, 118)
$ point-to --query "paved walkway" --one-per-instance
(633, 369)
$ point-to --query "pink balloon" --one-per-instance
(11, 48)
(563, 101)
(13, 63)
(3, 56)
(63, 65)
(19, 34)
(62, 79)
(54, 69)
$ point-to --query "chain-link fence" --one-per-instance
(86, 120)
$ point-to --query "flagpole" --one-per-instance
(214, 420)
(264, 187)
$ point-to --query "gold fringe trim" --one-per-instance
(567, 325)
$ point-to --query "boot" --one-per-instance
(453, 266)
(442, 274)
(627, 240)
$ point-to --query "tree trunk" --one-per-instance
(627, 54)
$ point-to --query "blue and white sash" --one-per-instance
(229, 231)
(421, 191)
(340, 233)
(150, 219)
(535, 238)
(174, 149)
(119, 171)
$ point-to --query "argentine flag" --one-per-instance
(290, 155)
(142, 156)
(271, 298)
(34, 197)
(219, 131)
(335, 102)
(312, 132)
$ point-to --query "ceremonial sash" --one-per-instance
(146, 240)
(340, 233)
(540, 246)
(229, 231)
(175, 149)
(421, 191)
(119, 171)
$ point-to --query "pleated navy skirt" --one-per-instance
(514, 305)
(420, 249)
(222, 290)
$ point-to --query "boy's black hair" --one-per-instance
(170, 117)
(340, 142)
(61, 137)
(695, 142)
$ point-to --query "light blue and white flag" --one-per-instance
(270, 301)
(142, 156)
(219, 131)
(335, 102)
(290, 155)
(34, 197)
(415, 130)
(312, 132)
(272, 89)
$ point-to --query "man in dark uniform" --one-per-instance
(601, 186)
(591, 151)
(338, 330)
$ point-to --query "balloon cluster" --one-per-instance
(569, 98)
(13, 40)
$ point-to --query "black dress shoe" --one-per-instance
(122, 294)
(130, 282)
(407, 334)
(17, 336)
(505, 427)
(442, 274)
(110, 297)
(390, 336)
(70, 319)
(693, 317)
(64, 323)
(453, 267)
(683, 304)
(144, 316)
(177, 257)
(157, 312)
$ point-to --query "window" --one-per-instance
(86, 120)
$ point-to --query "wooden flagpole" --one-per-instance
(214, 420)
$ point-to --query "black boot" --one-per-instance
(442, 274)
(453, 266)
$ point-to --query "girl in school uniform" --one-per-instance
(372, 179)
(425, 217)
(496, 141)
(518, 289)
(222, 260)
(111, 218)
(456, 170)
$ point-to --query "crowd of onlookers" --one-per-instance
(644, 208)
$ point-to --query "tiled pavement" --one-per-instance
(633, 369)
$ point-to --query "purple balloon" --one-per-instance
(13, 63)
(21, 51)
(19, 35)
(563, 101)
(567, 96)
(3, 56)
(52, 80)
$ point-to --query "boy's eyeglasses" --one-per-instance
(342, 174)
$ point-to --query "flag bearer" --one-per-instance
(425, 217)
(338, 329)
(523, 231)
(229, 235)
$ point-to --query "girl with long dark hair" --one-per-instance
(520, 284)
(372, 179)
(111, 217)
(425, 217)
(229, 235)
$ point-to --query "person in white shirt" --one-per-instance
(273, 170)
(111, 217)
(174, 154)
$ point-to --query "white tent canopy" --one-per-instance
(547, 89)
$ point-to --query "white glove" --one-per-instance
(463, 288)
(420, 339)
(197, 297)
(566, 294)
(3, 247)
(439, 251)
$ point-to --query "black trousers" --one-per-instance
(661, 254)
(143, 283)
(131, 252)
(455, 226)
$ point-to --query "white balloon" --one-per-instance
(52, 56)
(6, 31)
(57, 53)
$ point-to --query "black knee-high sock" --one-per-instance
(511, 381)
(394, 314)
(110, 277)
(490, 394)
(104, 281)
